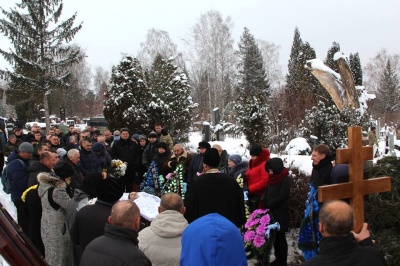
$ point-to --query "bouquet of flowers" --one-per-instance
(153, 182)
(174, 182)
(259, 234)
(117, 168)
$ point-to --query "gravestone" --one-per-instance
(206, 132)
(356, 188)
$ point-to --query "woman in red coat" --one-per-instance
(256, 176)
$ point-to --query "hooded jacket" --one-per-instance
(18, 175)
(212, 240)
(238, 169)
(256, 176)
(53, 229)
(161, 241)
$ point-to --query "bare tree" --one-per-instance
(270, 54)
(212, 60)
(158, 42)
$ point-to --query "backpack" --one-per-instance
(5, 181)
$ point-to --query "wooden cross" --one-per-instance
(356, 188)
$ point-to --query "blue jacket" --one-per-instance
(89, 162)
(18, 175)
(220, 243)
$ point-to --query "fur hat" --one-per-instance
(112, 189)
(142, 137)
(255, 150)
(163, 145)
(153, 134)
(61, 152)
(211, 158)
(25, 147)
(204, 144)
(63, 170)
(235, 158)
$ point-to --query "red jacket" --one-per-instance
(257, 177)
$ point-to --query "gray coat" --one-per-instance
(54, 232)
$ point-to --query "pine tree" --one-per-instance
(389, 92)
(40, 57)
(356, 70)
(127, 97)
(251, 107)
(329, 61)
(292, 75)
(171, 101)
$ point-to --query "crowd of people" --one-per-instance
(56, 177)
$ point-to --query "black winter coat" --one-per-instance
(215, 192)
(238, 169)
(118, 246)
(89, 162)
(321, 173)
(127, 151)
(89, 224)
(276, 198)
(345, 251)
(196, 166)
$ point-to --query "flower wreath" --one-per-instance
(309, 236)
(153, 182)
(174, 182)
(259, 234)
(117, 168)
(240, 181)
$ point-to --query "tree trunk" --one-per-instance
(348, 83)
(46, 111)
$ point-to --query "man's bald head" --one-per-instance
(171, 201)
(336, 218)
(125, 214)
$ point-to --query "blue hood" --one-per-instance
(212, 240)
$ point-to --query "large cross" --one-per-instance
(357, 187)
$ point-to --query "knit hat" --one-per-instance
(61, 152)
(153, 134)
(63, 170)
(255, 150)
(275, 164)
(163, 145)
(235, 158)
(91, 184)
(69, 146)
(97, 147)
(211, 158)
(112, 189)
(135, 137)
(142, 137)
(204, 144)
(25, 147)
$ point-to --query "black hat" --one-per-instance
(255, 150)
(112, 189)
(153, 134)
(91, 184)
(63, 170)
(204, 144)
(275, 164)
(163, 145)
(97, 147)
(211, 158)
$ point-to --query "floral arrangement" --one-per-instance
(174, 182)
(153, 182)
(309, 235)
(259, 234)
(240, 181)
(118, 168)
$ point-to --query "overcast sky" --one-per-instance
(111, 28)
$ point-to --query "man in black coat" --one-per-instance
(126, 150)
(276, 199)
(339, 245)
(215, 192)
(89, 221)
(322, 165)
(119, 244)
(196, 165)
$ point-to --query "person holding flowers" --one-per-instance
(276, 199)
